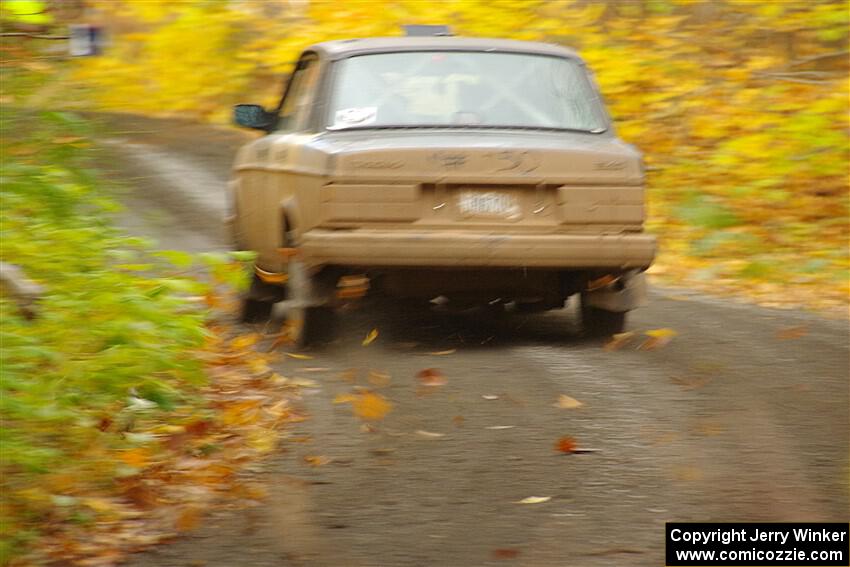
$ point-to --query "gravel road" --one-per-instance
(728, 422)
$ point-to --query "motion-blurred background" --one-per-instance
(741, 106)
(128, 401)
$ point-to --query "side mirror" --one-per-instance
(253, 116)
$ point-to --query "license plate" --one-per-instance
(490, 204)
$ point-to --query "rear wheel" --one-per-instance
(258, 301)
(310, 316)
(310, 325)
(598, 322)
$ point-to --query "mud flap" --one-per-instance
(627, 293)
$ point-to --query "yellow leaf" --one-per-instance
(136, 457)
(534, 500)
(657, 338)
(263, 440)
(244, 341)
(371, 406)
(102, 505)
(345, 399)
(370, 338)
(661, 333)
(258, 366)
(241, 413)
(317, 460)
(443, 352)
(619, 340)
(566, 402)
(299, 356)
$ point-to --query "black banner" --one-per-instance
(807, 544)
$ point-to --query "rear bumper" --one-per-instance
(461, 248)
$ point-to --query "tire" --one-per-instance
(310, 317)
(255, 310)
(598, 322)
(258, 301)
(311, 325)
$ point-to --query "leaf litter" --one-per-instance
(181, 468)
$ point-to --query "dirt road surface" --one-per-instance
(728, 422)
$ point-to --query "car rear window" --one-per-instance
(460, 88)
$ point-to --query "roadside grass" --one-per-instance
(118, 377)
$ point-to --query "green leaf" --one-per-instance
(177, 258)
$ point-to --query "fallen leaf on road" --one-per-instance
(490, 397)
(443, 352)
(241, 413)
(505, 553)
(431, 377)
(566, 445)
(792, 332)
(382, 451)
(370, 338)
(317, 460)
(566, 402)
(371, 406)
(315, 369)
(661, 333)
(244, 341)
(619, 340)
(500, 427)
(299, 356)
(458, 420)
(344, 399)
(379, 379)
(534, 500)
(259, 366)
(304, 382)
(349, 375)
(583, 450)
(263, 440)
(429, 434)
(687, 473)
(188, 519)
(657, 338)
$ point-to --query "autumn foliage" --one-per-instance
(739, 106)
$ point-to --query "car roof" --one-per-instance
(347, 47)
